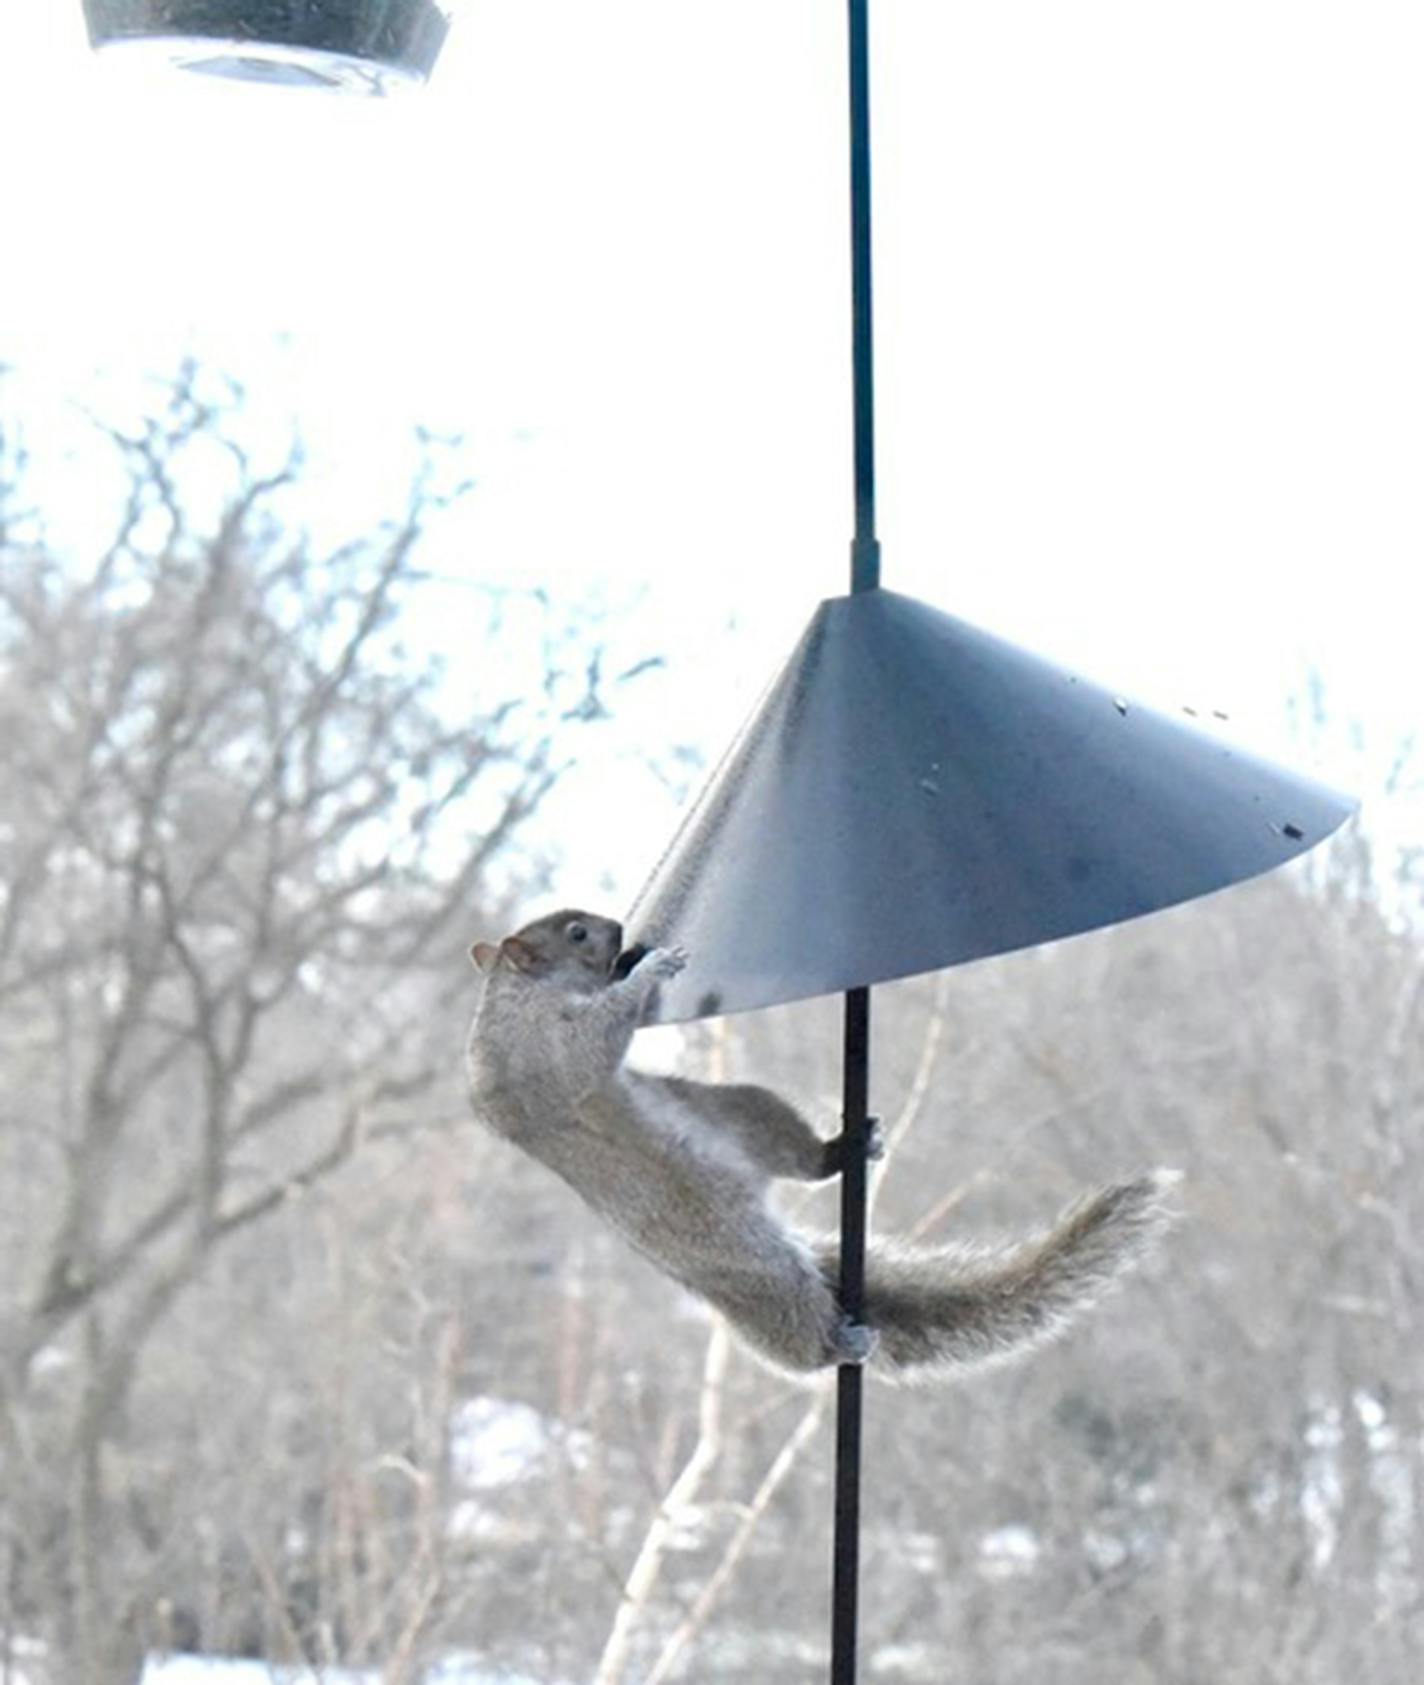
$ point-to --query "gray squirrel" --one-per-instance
(682, 1169)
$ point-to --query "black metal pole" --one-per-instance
(865, 576)
(865, 549)
(845, 1589)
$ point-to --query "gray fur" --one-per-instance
(683, 1169)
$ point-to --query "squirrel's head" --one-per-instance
(578, 949)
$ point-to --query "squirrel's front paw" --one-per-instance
(662, 962)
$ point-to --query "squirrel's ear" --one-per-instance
(519, 954)
(484, 956)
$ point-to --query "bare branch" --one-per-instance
(753, 1513)
(647, 1566)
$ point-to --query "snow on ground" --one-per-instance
(493, 1443)
(228, 1670)
(232, 1670)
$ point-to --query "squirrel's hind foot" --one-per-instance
(833, 1152)
(854, 1342)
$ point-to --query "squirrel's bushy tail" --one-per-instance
(939, 1309)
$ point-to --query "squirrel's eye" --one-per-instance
(576, 932)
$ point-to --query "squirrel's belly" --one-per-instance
(688, 1224)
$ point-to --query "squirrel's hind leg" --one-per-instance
(789, 1317)
(769, 1129)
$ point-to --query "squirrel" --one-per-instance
(682, 1169)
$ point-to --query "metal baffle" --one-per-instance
(912, 792)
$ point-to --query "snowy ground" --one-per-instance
(223, 1670)
(220, 1670)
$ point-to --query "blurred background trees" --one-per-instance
(296, 1364)
(247, 835)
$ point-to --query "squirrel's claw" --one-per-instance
(663, 962)
(854, 1342)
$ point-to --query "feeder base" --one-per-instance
(363, 46)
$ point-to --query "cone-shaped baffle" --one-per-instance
(912, 793)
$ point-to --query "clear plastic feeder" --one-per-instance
(371, 47)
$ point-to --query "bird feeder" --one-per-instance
(346, 46)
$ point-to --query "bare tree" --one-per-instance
(243, 837)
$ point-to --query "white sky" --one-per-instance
(1148, 284)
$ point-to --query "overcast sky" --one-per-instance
(1148, 287)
